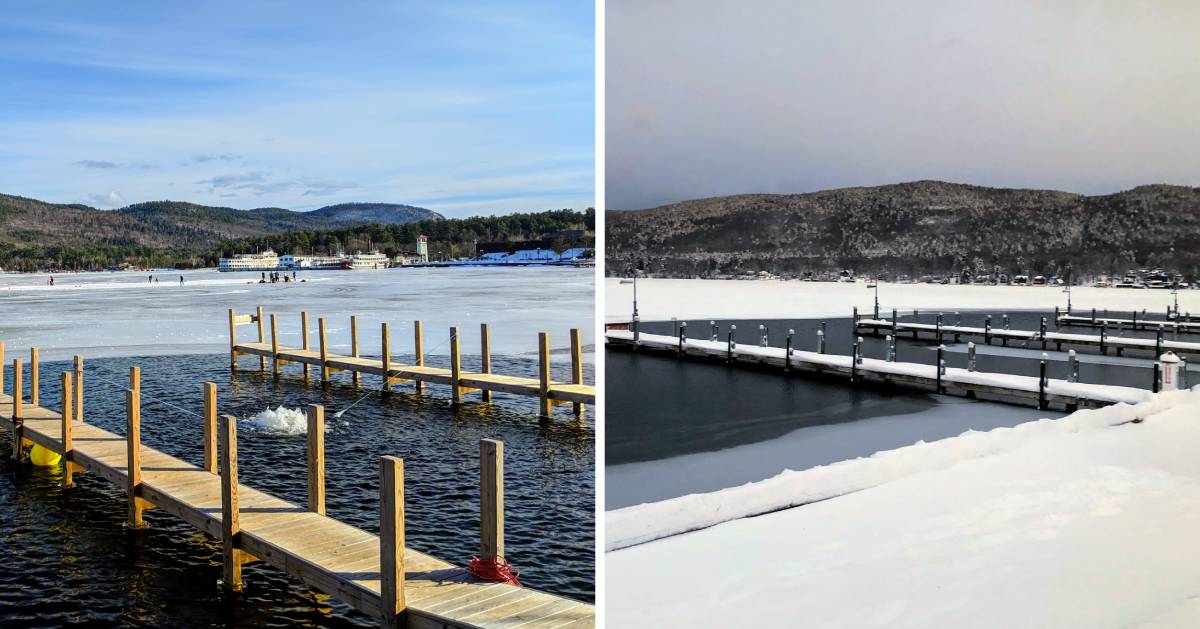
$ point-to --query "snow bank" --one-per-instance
(1088, 521)
(639, 524)
(282, 420)
(661, 299)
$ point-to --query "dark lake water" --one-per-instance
(670, 422)
(65, 558)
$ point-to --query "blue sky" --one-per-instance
(464, 108)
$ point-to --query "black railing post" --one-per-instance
(787, 356)
(1042, 384)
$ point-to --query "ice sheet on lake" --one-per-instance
(121, 314)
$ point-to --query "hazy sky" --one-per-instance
(465, 107)
(709, 98)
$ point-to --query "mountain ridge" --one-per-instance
(914, 227)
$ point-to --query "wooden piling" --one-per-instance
(274, 346)
(232, 554)
(210, 427)
(485, 357)
(418, 352)
(304, 338)
(18, 451)
(455, 367)
(78, 388)
(68, 402)
(324, 350)
(232, 340)
(491, 499)
(577, 365)
(258, 318)
(544, 374)
(354, 345)
(34, 387)
(133, 446)
(386, 350)
(391, 541)
(316, 458)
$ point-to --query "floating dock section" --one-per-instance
(1043, 391)
(375, 574)
(1029, 338)
(549, 392)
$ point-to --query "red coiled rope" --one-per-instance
(494, 570)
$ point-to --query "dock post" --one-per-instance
(391, 541)
(316, 458)
(821, 341)
(304, 338)
(716, 330)
(891, 355)
(544, 374)
(730, 344)
(385, 348)
(274, 346)
(18, 451)
(324, 350)
(763, 333)
(258, 318)
(970, 356)
(68, 401)
(1154, 386)
(940, 368)
(682, 338)
(1135, 320)
(1042, 332)
(856, 317)
(133, 447)
(939, 328)
(354, 347)
(455, 367)
(1042, 405)
(787, 356)
(1104, 337)
(232, 340)
(987, 329)
(210, 427)
(485, 358)
(1, 367)
(418, 352)
(34, 386)
(491, 500)
(78, 388)
(893, 322)
(854, 363)
(577, 364)
(1073, 367)
(1158, 340)
(1094, 316)
(232, 555)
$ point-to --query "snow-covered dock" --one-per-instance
(1041, 338)
(1182, 324)
(998, 386)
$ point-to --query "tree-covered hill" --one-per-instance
(923, 227)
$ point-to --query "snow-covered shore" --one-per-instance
(1084, 521)
(662, 299)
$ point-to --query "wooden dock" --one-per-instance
(375, 574)
(549, 392)
(1043, 391)
(1181, 325)
(1031, 338)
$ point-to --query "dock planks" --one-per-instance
(884, 326)
(326, 554)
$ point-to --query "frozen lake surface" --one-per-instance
(122, 314)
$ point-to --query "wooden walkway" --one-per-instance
(1031, 338)
(1181, 326)
(549, 392)
(327, 555)
(1001, 387)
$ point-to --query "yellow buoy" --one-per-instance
(43, 457)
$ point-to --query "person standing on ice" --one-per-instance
(181, 280)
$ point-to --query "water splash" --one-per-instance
(281, 420)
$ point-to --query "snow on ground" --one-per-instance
(1086, 521)
(122, 314)
(662, 299)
